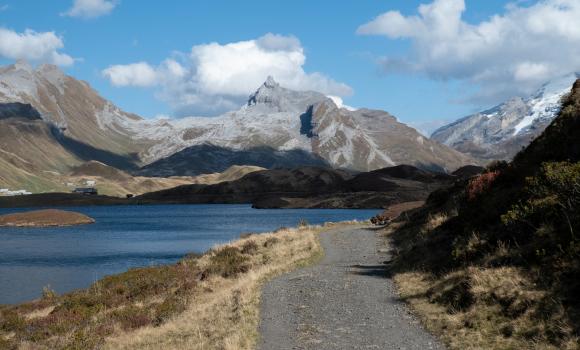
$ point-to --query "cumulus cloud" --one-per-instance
(135, 74)
(214, 78)
(33, 46)
(90, 8)
(509, 53)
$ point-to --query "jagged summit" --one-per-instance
(265, 93)
(49, 69)
(271, 83)
(24, 65)
(24, 83)
(21, 65)
(271, 97)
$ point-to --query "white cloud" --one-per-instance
(214, 78)
(509, 53)
(90, 8)
(33, 46)
(135, 74)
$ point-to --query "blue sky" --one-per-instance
(153, 31)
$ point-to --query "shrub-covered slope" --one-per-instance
(494, 261)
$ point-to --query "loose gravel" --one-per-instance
(347, 301)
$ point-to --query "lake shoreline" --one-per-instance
(277, 200)
(125, 237)
(215, 292)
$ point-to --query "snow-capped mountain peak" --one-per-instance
(270, 82)
(557, 85)
(500, 132)
(277, 124)
(21, 65)
(273, 98)
(23, 83)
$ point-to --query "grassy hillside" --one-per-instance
(494, 261)
(109, 181)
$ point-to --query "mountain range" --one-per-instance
(499, 133)
(53, 123)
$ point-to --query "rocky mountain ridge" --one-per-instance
(292, 122)
(277, 127)
(502, 131)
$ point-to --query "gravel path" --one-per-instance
(346, 301)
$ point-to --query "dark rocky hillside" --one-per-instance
(304, 187)
(312, 187)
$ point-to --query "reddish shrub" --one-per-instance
(480, 184)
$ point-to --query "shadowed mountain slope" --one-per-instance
(494, 261)
(312, 187)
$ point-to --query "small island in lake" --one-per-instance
(45, 218)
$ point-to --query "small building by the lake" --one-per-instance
(86, 191)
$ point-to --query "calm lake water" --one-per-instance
(129, 236)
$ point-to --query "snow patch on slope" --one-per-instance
(503, 130)
(546, 102)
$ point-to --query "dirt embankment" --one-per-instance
(45, 218)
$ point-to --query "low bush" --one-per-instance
(270, 242)
(48, 293)
(303, 223)
(250, 247)
(110, 303)
(168, 308)
(132, 317)
(549, 215)
(505, 264)
(480, 184)
(228, 262)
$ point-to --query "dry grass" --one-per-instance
(202, 302)
(481, 307)
(40, 313)
(433, 222)
(225, 314)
